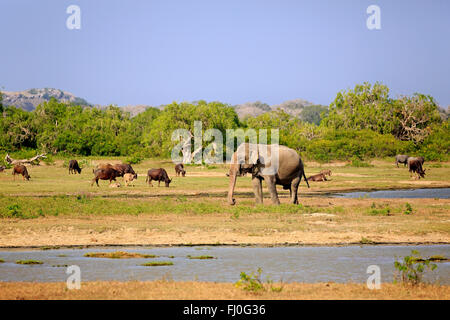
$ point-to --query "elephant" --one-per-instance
(275, 164)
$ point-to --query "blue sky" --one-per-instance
(234, 51)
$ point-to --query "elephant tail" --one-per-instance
(304, 176)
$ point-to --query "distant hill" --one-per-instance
(30, 99)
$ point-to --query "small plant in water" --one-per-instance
(118, 255)
(410, 270)
(29, 262)
(200, 257)
(157, 264)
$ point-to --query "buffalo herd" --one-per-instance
(111, 172)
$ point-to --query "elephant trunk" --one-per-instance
(233, 177)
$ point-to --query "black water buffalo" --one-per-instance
(401, 158)
(21, 169)
(158, 175)
(415, 166)
(179, 168)
(105, 174)
(74, 167)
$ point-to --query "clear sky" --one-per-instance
(155, 52)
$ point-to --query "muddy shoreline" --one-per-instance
(253, 245)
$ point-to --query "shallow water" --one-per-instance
(289, 264)
(438, 193)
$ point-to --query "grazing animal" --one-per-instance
(326, 172)
(105, 174)
(421, 159)
(415, 166)
(275, 164)
(401, 158)
(129, 177)
(2, 168)
(120, 168)
(74, 167)
(179, 168)
(317, 177)
(158, 175)
(21, 169)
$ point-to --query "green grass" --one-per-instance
(157, 264)
(200, 257)
(366, 241)
(118, 255)
(29, 262)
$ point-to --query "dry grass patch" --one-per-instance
(164, 290)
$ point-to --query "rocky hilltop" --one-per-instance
(30, 99)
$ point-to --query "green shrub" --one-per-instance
(411, 270)
(251, 282)
(408, 209)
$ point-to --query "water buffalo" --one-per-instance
(401, 158)
(105, 174)
(415, 166)
(74, 167)
(179, 168)
(317, 177)
(158, 175)
(120, 168)
(21, 169)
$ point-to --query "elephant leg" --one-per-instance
(294, 189)
(270, 181)
(257, 189)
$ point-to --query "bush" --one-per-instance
(412, 268)
(134, 159)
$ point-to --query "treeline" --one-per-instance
(361, 123)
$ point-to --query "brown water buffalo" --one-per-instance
(158, 175)
(415, 166)
(317, 177)
(74, 167)
(21, 169)
(179, 168)
(105, 174)
(121, 168)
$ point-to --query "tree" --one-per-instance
(415, 115)
(370, 107)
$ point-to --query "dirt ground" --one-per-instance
(170, 290)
